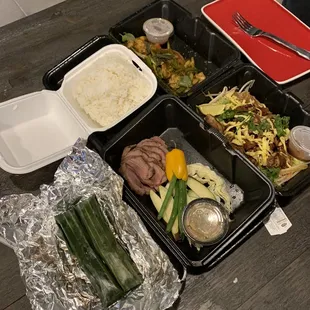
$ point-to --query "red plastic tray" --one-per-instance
(279, 63)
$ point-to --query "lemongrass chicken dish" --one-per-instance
(254, 130)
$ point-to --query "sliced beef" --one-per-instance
(143, 165)
(244, 108)
(281, 149)
(157, 157)
(272, 146)
(248, 145)
(282, 161)
(256, 119)
(140, 166)
(211, 120)
(247, 97)
(276, 141)
(159, 140)
(136, 152)
(133, 181)
(158, 177)
(153, 144)
(265, 111)
(157, 151)
(276, 160)
(127, 149)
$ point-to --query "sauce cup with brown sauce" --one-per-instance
(205, 221)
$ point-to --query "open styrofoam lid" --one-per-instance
(36, 130)
(40, 128)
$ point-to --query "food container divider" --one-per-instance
(169, 117)
(40, 128)
(277, 100)
(192, 38)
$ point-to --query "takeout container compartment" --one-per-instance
(167, 115)
(192, 38)
(54, 77)
(277, 100)
(40, 128)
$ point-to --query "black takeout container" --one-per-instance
(277, 100)
(169, 116)
(192, 38)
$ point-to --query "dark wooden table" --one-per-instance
(264, 273)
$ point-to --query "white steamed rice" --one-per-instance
(112, 88)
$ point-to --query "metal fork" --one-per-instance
(255, 32)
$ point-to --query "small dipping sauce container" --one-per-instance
(299, 143)
(158, 30)
(205, 221)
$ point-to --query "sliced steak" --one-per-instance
(158, 178)
(248, 145)
(147, 154)
(127, 149)
(159, 140)
(133, 181)
(143, 165)
(265, 111)
(140, 166)
(155, 150)
(276, 161)
(150, 143)
(244, 108)
(211, 120)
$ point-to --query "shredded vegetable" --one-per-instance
(204, 174)
(252, 129)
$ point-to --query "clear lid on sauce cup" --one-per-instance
(158, 30)
(299, 142)
(205, 221)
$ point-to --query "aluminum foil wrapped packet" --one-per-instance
(52, 276)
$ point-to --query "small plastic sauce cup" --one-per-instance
(205, 221)
(158, 30)
(299, 143)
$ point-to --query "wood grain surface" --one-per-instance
(264, 273)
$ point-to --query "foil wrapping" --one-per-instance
(51, 274)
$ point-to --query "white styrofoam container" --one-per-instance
(40, 128)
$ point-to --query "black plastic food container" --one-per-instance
(168, 116)
(277, 100)
(213, 54)
(53, 78)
